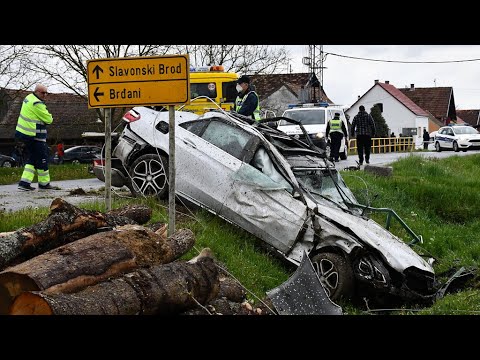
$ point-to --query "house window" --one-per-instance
(409, 131)
(380, 106)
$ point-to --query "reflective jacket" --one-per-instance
(239, 101)
(34, 118)
(336, 125)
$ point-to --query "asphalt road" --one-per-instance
(12, 199)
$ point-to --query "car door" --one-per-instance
(208, 152)
(262, 203)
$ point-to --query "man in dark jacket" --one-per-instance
(363, 128)
(426, 139)
(247, 102)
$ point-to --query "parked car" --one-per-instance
(277, 188)
(458, 137)
(7, 161)
(79, 154)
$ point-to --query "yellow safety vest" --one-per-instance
(239, 102)
(33, 118)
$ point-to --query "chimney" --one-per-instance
(376, 81)
(387, 82)
(412, 87)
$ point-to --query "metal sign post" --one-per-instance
(108, 159)
(171, 170)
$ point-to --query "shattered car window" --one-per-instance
(323, 185)
(228, 138)
(250, 175)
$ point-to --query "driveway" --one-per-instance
(12, 199)
(388, 158)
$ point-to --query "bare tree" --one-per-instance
(13, 69)
(247, 59)
(66, 65)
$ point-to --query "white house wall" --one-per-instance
(396, 115)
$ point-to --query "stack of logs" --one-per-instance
(82, 262)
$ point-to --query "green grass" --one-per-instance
(57, 173)
(438, 199)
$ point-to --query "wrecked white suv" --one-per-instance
(277, 188)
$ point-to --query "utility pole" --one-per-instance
(314, 61)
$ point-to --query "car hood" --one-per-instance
(468, 137)
(396, 252)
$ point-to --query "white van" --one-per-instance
(314, 118)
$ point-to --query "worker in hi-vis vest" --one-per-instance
(32, 130)
(247, 102)
(336, 128)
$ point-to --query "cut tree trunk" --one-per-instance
(93, 259)
(161, 289)
(65, 223)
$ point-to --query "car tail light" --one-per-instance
(98, 162)
(131, 116)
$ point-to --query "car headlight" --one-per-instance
(319, 135)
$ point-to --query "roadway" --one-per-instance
(12, 199)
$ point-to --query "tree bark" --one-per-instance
(161, 289)
(93, 259)
(65, 223)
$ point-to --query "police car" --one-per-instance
(457, 137)
(314, 118)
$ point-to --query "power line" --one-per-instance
(401, 61)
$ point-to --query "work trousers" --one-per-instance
(364, 143)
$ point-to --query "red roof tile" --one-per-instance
(469, 116)
(437, 100)
(396, 93)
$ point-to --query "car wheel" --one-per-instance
(455, 147)
(438, 148)
(76, 161)
(335, 273)
(149, 176)
(344, 155)
(7, 163)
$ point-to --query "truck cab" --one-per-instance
(214, 83)
(314, 118)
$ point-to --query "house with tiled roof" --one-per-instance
(71, 117)
(276, 91)
(438, 101)
(406, 112)
(471, 117)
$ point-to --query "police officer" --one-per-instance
(247, 102)
(336, 129)
(32, 130)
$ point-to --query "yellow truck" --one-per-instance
(214, 83)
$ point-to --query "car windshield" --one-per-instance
(306, 117)
(465, 130)
(322, 185)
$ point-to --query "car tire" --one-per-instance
(335, 273)
(7, 163)
(344, 155)
(76, 161)
(438, 148)
(455, 147)
(149, 176)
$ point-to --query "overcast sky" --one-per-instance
(344, 79)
